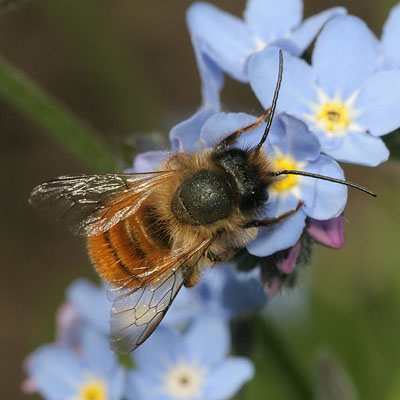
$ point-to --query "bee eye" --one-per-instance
(206, 197)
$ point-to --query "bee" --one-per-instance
(150, 234)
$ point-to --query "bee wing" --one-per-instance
(92, 204)
(136, 312)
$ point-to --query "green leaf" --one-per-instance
(58, 121)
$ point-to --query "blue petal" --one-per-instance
(308, 30)
(96, 352)
(294, 138)
(287, 45)
(360, 148)
(272, 19)
(391, 35)
(227, 377)
(69, 324)
(183, 309)
(344, 55)
(224, 38)
(164, 345)
(148, 161)
(243, 291)
(323, 199)
(212, 79)
(279, 204)
(328, 142)
(142, 386)
(278, 237)
(185, 136)
(207, 340)
(298, 88)
(221, 125)
(116, 385)
(209, 291)
(91, 303)
(379, 101)
(57, 372)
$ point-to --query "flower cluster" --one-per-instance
(332, 109)
(186, 358)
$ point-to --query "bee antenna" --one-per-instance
(323, 177)
(274, 101)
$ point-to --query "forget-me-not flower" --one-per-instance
(91, 303)
(390, 57)
(291, 146)
(230, 41)
(343, 99)
(191, 366)
(222, 291)
(63, 373)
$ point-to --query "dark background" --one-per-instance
(127, 68)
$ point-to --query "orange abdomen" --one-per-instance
(124, 254)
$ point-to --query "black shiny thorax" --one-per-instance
(209, 195)
(204, 198)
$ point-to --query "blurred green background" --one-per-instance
(127, 68)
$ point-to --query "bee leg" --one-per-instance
(233, 136)
(192, 278)
(272, 221)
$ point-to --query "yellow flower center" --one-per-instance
(334, 116)
(286, 181)
(93, 390)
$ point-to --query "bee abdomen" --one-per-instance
(124, 253)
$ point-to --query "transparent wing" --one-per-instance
(92, 204)
(136, 312)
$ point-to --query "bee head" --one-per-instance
(248, 179)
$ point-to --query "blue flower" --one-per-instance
(229, 41)
(211, 75)
(92, 373)
(345, 102)
(91, 303)
(390, 40)
(222, 292)
(194, 365)
(290, 145)
(68, 326)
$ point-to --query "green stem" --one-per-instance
(59, 122)
(284, 359)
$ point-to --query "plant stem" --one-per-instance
(58, 121)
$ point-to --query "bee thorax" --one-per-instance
(203, 199)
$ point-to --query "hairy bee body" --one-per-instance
(149, 234)
(173, 216)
